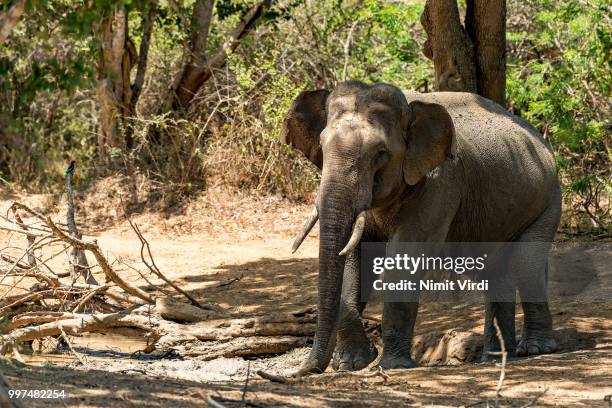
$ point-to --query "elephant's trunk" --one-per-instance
(337, 211)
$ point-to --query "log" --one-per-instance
(80, 323)
(241, 347)
(28, 318)
(206, 340)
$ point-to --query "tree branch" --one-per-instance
(143, 54)
(10, 18)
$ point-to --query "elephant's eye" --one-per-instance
(381, 158)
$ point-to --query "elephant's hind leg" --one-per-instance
(537, 336)
(354, 350)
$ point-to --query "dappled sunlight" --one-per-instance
(260, 277)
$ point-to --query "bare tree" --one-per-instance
(10, 18)
(469, 57)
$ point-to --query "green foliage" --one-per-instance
(46, 77)
(559, 77)
(388, 50)
(306, 50)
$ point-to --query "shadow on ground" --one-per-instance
(568, 377)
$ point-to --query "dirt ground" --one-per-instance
(224, 237)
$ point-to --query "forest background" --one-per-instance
(186, 94)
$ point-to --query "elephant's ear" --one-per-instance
(430, 139)
(304, 122)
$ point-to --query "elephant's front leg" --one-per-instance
(354, 350)
(397, 330)
(399, 318)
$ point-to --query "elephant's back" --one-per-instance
(476, 117)
(508, 167)
(495, 136)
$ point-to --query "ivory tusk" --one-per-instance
(358, 228)
(312, 220)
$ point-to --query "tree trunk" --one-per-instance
(449, 46)
(143, 54)
(485, 23)
(185, 84)
(10, 18)
(470, 59)
(117, 58)
(141, 69)
(197, 68)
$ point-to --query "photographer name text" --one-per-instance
(431, 285)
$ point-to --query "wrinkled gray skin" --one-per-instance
(443, 166)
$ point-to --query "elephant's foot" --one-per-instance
(390, 361)
(353, 354)
(536, 343)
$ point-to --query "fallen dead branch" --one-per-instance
(28, 318)
(102, 262)
(57, 305)
(229, 282)
(504, 356)
(72, 350)
(86, 246)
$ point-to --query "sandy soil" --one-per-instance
(223, 235)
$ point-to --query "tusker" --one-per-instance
(411, 167)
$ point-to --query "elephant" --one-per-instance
(419, 167)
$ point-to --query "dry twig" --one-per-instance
(153, 267)
(504, 356)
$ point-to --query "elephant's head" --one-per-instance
(370, 144)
